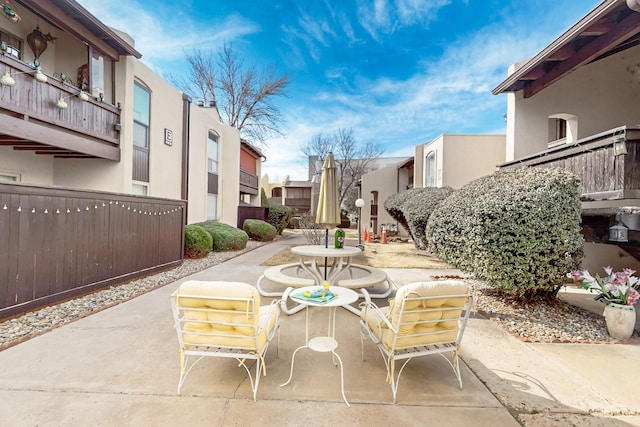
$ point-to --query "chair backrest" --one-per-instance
(218, 314)
(425, 313)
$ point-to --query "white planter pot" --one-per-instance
(621, 320)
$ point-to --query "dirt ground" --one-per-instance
(389, 255)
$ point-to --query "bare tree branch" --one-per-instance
(353, 159)
(244, 97)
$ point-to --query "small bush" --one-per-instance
(294, 222)
(517, 229)
(279, 216)
(259, 230)
(197, 242)
(225, 237)
(314, 234)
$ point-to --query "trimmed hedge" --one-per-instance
(393, 205)
(412, 209)
(517, 229)
(259, 230)
(225, 237)
(197, 242)
(279, 216)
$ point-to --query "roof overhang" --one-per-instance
(406, 164)
(611, 27)
(255, 151)
(71, 17)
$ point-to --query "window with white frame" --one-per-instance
(140, 189)
(11, 45)
(212, 207)
(430, 169)
(212, 152)
(141, 115)
(9, 176)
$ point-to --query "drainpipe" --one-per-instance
(186, 122)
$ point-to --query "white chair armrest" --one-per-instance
(380, 317)
(264, 322)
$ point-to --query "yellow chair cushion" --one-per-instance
(414, 325)
(213, 320)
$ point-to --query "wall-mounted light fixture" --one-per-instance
(8, 80)
(618, 232)
(619, 145)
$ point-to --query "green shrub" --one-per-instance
(412, 209)
(517, 229)
(264, 201)
(225, 237)
(393, 205)
(259, 230)
(294, 222)
(418, 208)
(279, 216)
(197, 242)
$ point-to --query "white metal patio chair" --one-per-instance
(223, 319)
(425, 318)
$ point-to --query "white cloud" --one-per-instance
(162, 38)
(385, 16)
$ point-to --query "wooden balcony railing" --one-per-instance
(248, 182)
(302, 204)
(28, 112)
(604, 174)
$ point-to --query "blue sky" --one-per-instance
(397, 72)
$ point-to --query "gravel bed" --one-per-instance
(554, 321)
(532, 322)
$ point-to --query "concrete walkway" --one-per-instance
(120, 367)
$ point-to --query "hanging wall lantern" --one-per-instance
(618, 232)
(37, 42)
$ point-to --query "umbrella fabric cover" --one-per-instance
(328, 212)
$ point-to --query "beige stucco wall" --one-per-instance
(599, 255)
(27, 166)
(202, 120)
(165, 162)
(387, 182)
(460, 158)
(603, 95)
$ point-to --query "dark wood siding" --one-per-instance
(29, 112)
(212, 183)
(140, 164)
(603, 175)
(57, 243)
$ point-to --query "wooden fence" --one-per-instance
(56, 243)
(251, 212)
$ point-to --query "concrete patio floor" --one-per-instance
(120, 367)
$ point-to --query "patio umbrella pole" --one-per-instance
(326, 245)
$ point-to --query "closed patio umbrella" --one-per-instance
(328, 212)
